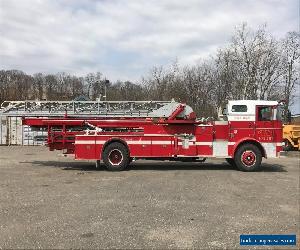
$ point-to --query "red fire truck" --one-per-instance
(246, 131)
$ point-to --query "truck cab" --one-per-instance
(258, 122)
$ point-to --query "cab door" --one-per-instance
(241, 123)
(264, 124)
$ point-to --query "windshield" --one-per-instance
(265, 113)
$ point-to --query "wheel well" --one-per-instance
(112, 141)
(257, 144)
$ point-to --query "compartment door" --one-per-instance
(85, 147)
(162, 146)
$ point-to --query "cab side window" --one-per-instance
(264, 113)
(239, 108)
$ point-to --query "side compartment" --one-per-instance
(85, 147)
(204, 138)
(220, 139)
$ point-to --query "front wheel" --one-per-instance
(248, 157)
(116, 157)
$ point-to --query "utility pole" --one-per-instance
(105, 91)
(105, 88)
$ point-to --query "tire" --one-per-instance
(116, 157)
(248, 157)
(231, 162)
(287, 145)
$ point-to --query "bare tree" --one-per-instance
(38, 86)
(225, 79)
(290, 67)
(257, 62)
(94, 85)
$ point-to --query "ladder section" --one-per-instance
(82, 108)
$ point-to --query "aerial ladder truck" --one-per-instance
(118, 133)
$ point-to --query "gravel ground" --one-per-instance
(49, 201)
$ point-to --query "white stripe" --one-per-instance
(190, 144)
(158, 135)
(193, 156)
(85, 142)
(186, 156)
(203, 143)
(162, 142)
(131, 135)
(128, 142)
(277, 144)
(150, 142)
(138, 142)
(89, 142)
(267, 128)
(198, 143)
(100, 142)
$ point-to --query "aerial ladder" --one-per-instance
(80, 108)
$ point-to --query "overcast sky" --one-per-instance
(124, 39)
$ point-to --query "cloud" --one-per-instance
(124, 39)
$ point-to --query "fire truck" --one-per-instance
(247, 131)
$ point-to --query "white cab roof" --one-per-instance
(252, 102)
(248, 115)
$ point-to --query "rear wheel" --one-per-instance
(248, 157)
(116, 157)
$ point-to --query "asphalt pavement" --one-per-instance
(48, 201)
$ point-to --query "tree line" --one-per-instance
(253, 65)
